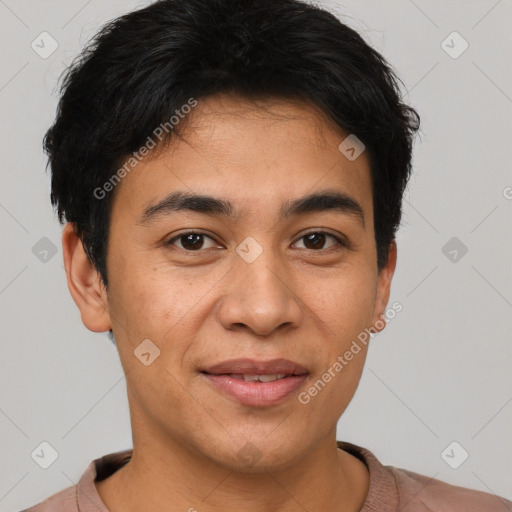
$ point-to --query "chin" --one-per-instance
(256, 454)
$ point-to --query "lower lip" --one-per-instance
(259, 394)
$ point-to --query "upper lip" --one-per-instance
(253, 367)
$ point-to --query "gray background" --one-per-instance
(440, 372)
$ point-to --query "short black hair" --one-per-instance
(141, 68)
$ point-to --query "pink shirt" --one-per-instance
(391, 489)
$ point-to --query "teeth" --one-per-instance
(238, 376)
(264, 378)
(250, 378)
(267, 378)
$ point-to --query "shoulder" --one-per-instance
(419, 492)
(83, 496)
(394, 489)
(62, 501)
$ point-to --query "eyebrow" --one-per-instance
(326, 200)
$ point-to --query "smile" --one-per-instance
(257, 383)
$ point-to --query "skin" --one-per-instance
(206, 306)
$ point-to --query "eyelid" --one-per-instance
(189, 232)
(341, 240)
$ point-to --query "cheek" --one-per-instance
(164, 309)
(344, 304)
(149, 299)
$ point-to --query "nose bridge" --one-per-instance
(259, 295)
(263, 276)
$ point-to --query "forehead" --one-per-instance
(252, 152)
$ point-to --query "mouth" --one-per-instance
(257, 383)
(247, 377)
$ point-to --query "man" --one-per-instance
(231, 177)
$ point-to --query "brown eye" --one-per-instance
(316, 240)
(191, 241)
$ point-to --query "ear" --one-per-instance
(84, 282)
(383, 289)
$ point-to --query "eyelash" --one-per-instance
(340, 241)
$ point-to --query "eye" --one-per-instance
(195, 241)
(192, 241)
(315, 240)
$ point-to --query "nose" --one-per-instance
(259, 297)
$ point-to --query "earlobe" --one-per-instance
(383, 289)
(84, 282)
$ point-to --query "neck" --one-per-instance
(167, 476)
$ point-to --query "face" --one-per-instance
(251, 279)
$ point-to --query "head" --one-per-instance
(231, 175)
